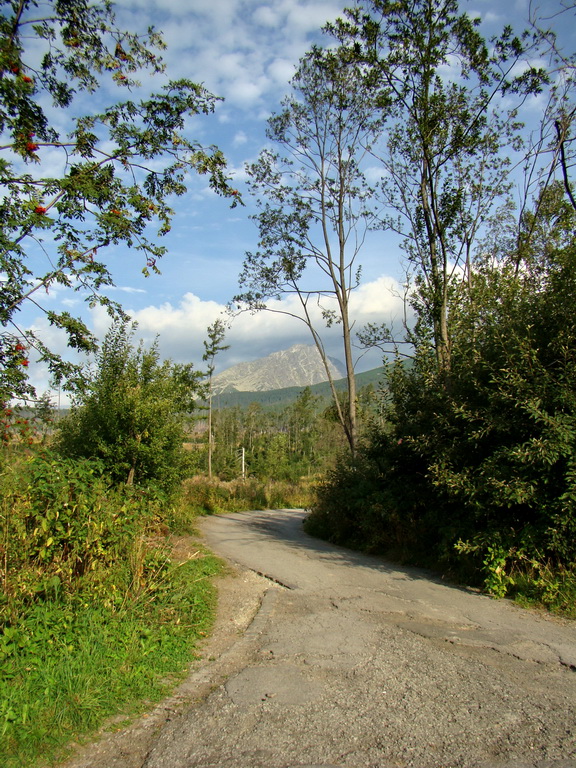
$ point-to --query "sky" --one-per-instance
(244, 51)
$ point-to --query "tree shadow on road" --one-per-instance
(286, 526)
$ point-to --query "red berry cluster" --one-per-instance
(20, 349)
(29, 144)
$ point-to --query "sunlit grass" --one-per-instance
(202, 495)
(71, 666)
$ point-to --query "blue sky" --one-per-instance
(244, 51)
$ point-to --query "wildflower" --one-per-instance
(40, 209)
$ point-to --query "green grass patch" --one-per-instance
(66, 667)
(95, 617)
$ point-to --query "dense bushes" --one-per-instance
(132, 415)
(64, 528)
(476, 469)
(94, 613)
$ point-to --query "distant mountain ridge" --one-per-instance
(299, 366)
(277, 399)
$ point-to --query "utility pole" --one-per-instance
(216, 334)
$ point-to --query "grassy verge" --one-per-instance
(95, 618)
(69, 666)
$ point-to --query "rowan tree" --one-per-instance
(116, 167)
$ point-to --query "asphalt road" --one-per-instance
(351, 661)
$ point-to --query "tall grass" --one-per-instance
(95, 617)
(209, 496)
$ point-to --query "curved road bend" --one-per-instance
(356, 662)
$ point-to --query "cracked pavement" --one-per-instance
(352, 662)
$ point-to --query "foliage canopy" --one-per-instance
(75, 185)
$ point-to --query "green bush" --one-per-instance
(132, 415)
(475, 471)
(94, 614)
(63, 526)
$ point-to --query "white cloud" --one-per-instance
(309, 17)
(377, 301)
(182, 328)
(282, 70)
(245, 92)
(233, 47)
(374, 173)
(266, 16)
(239, 138)
(494, 18)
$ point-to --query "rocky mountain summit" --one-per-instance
(299, 366)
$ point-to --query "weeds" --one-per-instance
(552, 588)
(94, 614)
(205, 496)
(524, 574)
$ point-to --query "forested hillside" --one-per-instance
(276, 399)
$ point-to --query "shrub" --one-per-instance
(132, 416)
(64, 527)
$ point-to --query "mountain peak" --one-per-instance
(299, 366)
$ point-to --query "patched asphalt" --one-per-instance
(326, 658)
(357, 663)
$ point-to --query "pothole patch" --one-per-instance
(282, 684)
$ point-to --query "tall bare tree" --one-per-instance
(314, 204)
